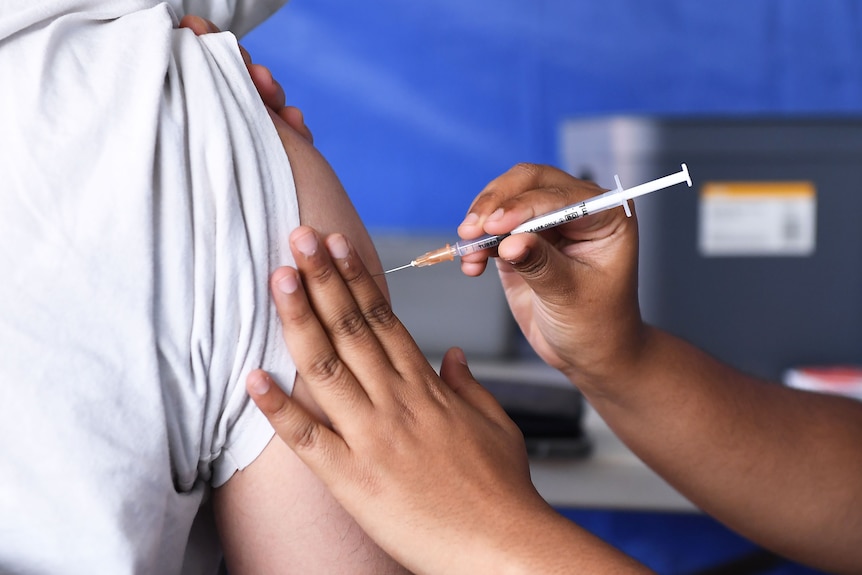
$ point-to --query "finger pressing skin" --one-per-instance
(295, 119)
(269, 89)
(314, 443)
(338, 313)
(330, 297)
(456, 374)
(330, 383)
(394, 339)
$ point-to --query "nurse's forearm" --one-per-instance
(780, 466)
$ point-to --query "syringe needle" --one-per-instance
(410, 265)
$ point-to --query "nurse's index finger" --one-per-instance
(329, 381)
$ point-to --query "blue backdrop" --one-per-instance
(418, 104)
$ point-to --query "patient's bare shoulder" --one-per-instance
(275, 514)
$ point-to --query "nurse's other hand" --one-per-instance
(430, 466)
(270, 90)
(573, 288)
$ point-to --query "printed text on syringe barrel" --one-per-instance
(493, 241)
(564, 216)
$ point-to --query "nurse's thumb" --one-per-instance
(546, 270)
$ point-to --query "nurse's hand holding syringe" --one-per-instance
(596, 204)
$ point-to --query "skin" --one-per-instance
(396, 423)
(276, 516)
(433, 469)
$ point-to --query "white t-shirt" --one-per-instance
(144, 199)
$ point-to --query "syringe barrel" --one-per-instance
(603, 202)
(464, 247)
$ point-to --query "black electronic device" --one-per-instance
(550, 415)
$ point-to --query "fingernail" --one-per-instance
(459, 355)
(337, 245)
(260, 384)
(498, 213)
(306, 243)
(287, 284)
(518, 258)
(470, 220)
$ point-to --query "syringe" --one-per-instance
(594, 205)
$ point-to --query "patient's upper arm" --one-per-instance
(275, 515)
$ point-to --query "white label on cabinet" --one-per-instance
(757, 219)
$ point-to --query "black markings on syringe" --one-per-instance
(491, 242)
(576, 215)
